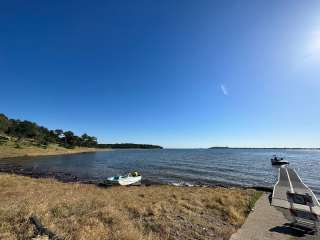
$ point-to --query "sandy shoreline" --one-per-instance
(66, 177)
(52, 150)
(25, 153)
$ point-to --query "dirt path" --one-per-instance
(264, 223)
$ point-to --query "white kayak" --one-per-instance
(125, 180)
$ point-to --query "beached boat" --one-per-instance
(130, 179)
(278, 161)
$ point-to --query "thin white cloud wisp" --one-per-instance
(224, 90)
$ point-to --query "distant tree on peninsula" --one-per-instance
(4, 123)
(88, 141)
(23, 129)
(58, 133)
(69, 139)
(129, 146)
(26, 129)
(43, 136)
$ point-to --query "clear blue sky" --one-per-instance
(176, 73)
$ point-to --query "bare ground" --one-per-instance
(25, 149)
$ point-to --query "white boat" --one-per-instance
(131, 178)
(278, 161)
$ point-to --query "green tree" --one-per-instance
(4, 123)
(42, 135)
(70, 139)
(88, 141)
(23, 129)
(58, 133)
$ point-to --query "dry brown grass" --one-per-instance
(14, 148)
(80, 211)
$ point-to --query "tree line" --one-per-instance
(26, 129)
(129, 146)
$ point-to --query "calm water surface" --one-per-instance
(246, 167)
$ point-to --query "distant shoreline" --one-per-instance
(271, 148)
(129, 146)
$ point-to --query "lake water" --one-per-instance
(246, 167)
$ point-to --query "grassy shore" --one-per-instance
(82, 211)
(26, 148)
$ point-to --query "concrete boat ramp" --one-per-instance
(286, 214)
(265, 222)
(296, 200)
(289, 193)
